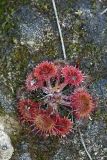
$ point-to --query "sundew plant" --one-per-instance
(64, 99)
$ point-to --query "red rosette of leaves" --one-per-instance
(82, 103)
(25, 108)
(43, 123)
(72, 75)
(59, 65)
(45, 71)
(47, 124)
(32, 83)
(63, 126)
(44, 118)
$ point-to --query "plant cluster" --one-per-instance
(63, 97)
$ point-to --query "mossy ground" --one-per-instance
(14, 66)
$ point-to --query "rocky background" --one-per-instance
(29, 34)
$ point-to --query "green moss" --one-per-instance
(2, 112)
(20, 58)
(49, 51)
(7, 9)
(105, 117)
(101, 114)
(43, 5)
(38, 147)
(97, 114)
(47, 149)
(13, 68)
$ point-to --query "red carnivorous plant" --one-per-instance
(62, 94)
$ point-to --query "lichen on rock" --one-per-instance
(6, 148)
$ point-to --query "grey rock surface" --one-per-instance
(95, 139)
(25, 156)
(95, 23)
(82, 25)
(34, 28)
(6, 148)
(94, 132)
